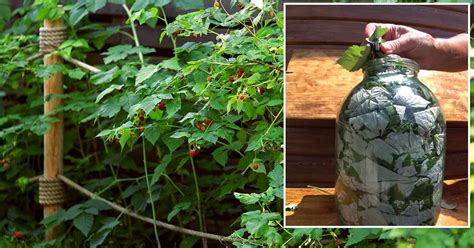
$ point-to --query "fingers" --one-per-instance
(393, 31)
(370, 28)
(398, 46)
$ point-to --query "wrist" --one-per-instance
(450, 54)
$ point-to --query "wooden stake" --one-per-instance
(53, 139)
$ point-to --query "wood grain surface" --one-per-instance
(316, 87)
(419, 16)
(316, 206)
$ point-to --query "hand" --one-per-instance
(431, 53)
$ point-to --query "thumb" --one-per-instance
(400, 45)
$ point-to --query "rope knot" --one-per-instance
(51, 38)
(51, 191)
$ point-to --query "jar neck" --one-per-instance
(391, 65)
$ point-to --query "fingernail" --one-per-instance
(387, 48)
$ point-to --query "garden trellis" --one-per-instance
(52, 184)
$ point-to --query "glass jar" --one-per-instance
(390, 147)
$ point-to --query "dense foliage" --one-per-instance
(194, 140)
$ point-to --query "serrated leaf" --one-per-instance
(109, 90)
(73, 212)
(160, 168)
(124, 137)
(152, 133)
(76, 73)
(145, 73)
(173, 143)
(221, 155)
(84, 223)
(99, 237)
(354, 58)
(177, 208)
(173, 106)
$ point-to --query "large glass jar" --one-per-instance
(390, 147)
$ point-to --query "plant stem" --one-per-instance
(134, 32)
(173, 40)
(198, 196)
(145, 167)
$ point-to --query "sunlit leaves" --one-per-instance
(120, 52)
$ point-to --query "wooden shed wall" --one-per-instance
(325, 26)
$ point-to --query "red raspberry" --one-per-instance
(232, 79)
(241, 72)
(193, 152)
(18, 235)
(161, 105)
(260, 90)
(255, 167)
(141, 129)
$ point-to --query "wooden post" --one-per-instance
(53, 138)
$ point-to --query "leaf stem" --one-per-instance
(145, 167)
(198, 196)
(134, 32)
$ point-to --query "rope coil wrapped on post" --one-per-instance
(51, 191)
(51, 38)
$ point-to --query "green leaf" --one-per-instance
(152, 133)
(76, 73)
(359, 234)
(173, 143)
(172, 64)
(145, 73)
(189, 4)
(109, 89)
(221, 155)
(54, 220)
(105, 76)
(120, 52)
(95, 5)
(173, 106)
(160, 168)
(22, 182)
(99, 237)
(124, 137)
(147, 105)
(189, 242)
(84, 223)
(177, 208)
(354, 58)
(73, 212)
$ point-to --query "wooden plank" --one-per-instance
(321, 140)
(337, 32)
(316, 87)
(420, 16)
(316, 207)
(321, 170)
(459, 8)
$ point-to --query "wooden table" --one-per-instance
(315, 89)
(316, 206)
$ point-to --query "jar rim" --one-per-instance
(392, 59)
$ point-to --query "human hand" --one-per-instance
(431, 53)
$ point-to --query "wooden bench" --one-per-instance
(316, 87)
